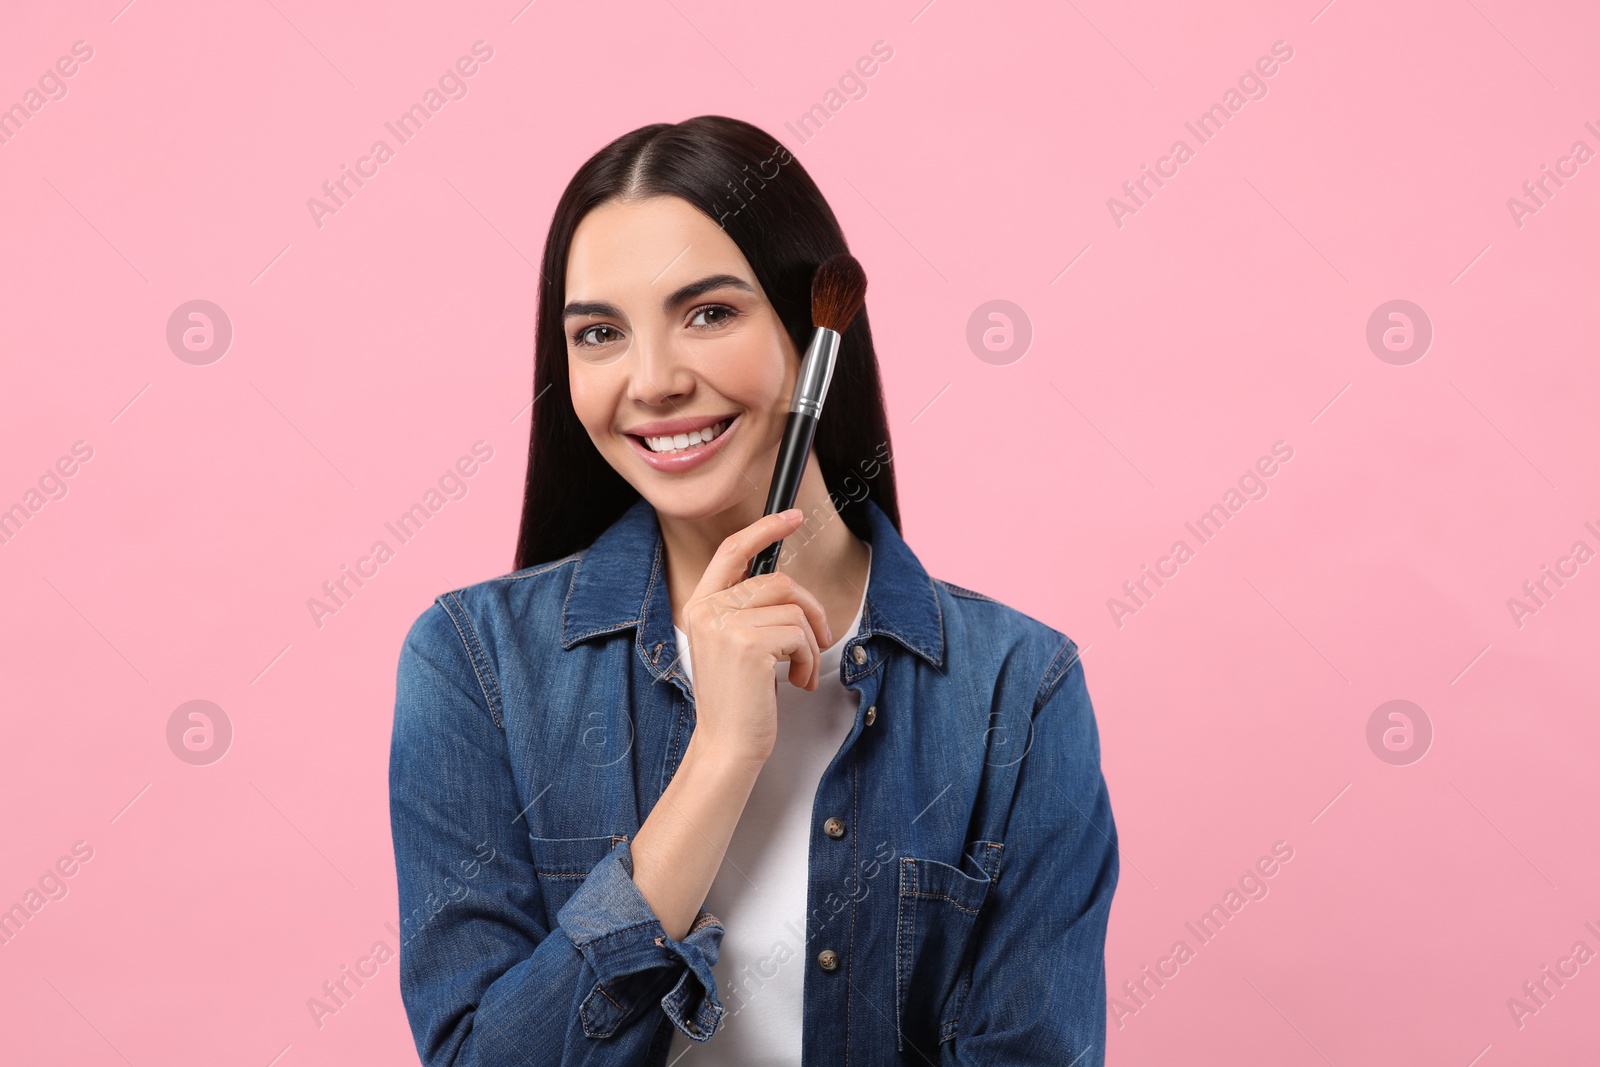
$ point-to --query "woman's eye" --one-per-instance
(709, 317)
(581, 337)
(723, 312)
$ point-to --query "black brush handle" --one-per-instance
(792, 456)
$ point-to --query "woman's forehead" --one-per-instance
(641, 248)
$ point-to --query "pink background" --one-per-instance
(1168, 354)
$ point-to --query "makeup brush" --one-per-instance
(838, 291)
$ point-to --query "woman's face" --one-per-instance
(668, 332)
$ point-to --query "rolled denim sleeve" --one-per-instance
(1038, 992)
(482, 979)
(611, 924)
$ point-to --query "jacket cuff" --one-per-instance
(612, 925)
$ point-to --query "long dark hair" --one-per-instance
(744, 179)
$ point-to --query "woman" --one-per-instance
(646, 807)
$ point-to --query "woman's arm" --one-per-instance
(679, 849)
(482, 978)
(1038, 992)
(739, 630)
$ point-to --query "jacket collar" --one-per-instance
(621, 581)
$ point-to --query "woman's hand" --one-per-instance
(739, 630)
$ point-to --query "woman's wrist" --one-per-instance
(717, 754)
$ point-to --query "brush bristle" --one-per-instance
(838, 291)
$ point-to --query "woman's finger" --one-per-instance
(784, 631)
(732, 558)
(774, 588)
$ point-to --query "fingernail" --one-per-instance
(792, 513)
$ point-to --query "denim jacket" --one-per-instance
(958, 919)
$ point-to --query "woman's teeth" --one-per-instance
(679, 442)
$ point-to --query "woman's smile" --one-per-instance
(667, 447)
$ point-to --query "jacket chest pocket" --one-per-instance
(562, 863)
(938, 908)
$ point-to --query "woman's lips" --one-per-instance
(689, 458)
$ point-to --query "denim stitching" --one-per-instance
(936, 657)
(969, 593)
(529, 572)
(910, 891)
(880, 627)
(598, 938)
(947, 1029)
(945, 896)
(991, 857)
(538, 569)
(474, 653)
(600, 990)
(904, 923)
(873, 624)
(1052, 677)
(570, 871)
(855, 845)
(606, 629)
(573, 585)
(650, 587)
(932, 895)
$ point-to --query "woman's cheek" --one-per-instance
(587, 400)
(769, 378)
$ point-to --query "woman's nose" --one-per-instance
(658, 373)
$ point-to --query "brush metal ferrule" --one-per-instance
(816, 372)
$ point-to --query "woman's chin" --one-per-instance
(698, 504)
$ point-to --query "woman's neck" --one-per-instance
(823, 555)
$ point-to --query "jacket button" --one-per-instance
(834, 828)
(828, 959)
(858, 654)
(872, 713)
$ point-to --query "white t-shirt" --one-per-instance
(760, 890)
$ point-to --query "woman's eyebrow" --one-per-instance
(674, 300)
